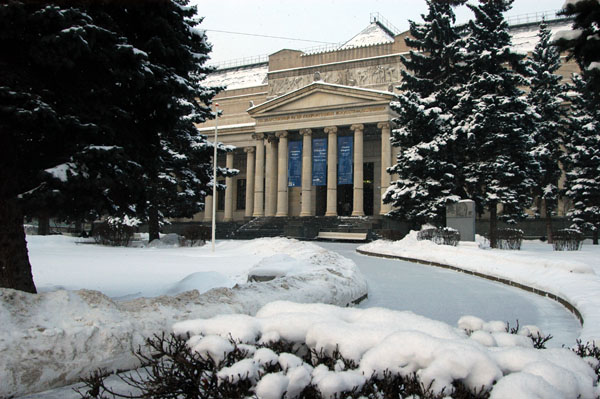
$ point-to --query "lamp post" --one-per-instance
(214, 196)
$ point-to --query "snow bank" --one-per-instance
(571, 275)
(381, 340)
(53, 338)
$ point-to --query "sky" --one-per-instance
(316, 22)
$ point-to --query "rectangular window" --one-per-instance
(241, 194)
(221, 197)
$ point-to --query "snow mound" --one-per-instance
(381, 340)
(54, 338)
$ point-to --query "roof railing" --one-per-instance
(377, 17)
(532, 17)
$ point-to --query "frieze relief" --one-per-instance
(358, 77)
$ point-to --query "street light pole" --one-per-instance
(214, 196)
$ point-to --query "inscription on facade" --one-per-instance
(311, 115)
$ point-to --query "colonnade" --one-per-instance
(267, 174)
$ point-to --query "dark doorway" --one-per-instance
(344, 199)
(368, 194)
(321, 200)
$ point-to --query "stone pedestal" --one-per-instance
(461, 216)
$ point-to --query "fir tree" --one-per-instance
(583, 42)
(546, 91)
(61, 75)
(175, 158)
(427, 165)
(583, 159)
(496, 119)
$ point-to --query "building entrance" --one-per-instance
(368, 176)
(344, 199)
(320, 200)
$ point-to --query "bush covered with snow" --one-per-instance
(509, 238)
(567, 240)
(440, 236)
(291, 350)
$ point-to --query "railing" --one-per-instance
(257, 59)
(532, 17)
(377, 17)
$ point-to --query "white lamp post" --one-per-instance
(214, 196)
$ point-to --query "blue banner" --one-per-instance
(295, 164)
(319, 162)
(345, 153)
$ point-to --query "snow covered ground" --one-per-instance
(53, 338)
(571, 275)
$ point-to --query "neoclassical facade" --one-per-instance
(311, 130)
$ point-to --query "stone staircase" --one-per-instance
(306, 228)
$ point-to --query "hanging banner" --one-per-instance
(294, 163)
(345, 153)
(319, 162)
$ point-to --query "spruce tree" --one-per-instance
(583, 42)
(546, 95)
(496, 119)
(175, 158)
(427, 163)
(583, 159)
(60, 76)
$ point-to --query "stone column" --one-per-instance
(306, 172)
(228, 214)
(282, 175)
(259, 176)
(386, 162)
(271, 180)
(208, 208)
(358, 199)
(249, 181)
(331, 209)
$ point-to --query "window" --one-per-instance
(241, 194)
(221, 197)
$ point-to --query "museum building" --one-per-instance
(311, 129)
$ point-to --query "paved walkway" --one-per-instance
(446, 295)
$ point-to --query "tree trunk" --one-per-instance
(15, 269)
(548, 214)
(153, 225)
(493, 226)
(43, 225)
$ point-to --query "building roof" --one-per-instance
(375, 33)
(524, 38)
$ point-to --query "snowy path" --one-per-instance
(446, 295)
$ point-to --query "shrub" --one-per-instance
(176, 371)
(440, 236)
(113, 232)
(567, 240)
(509, 238)
(196, 234)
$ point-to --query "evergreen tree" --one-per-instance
(583, 41)
(427, 165)
(546, 91)
(60, 76)
(583, 159)
(496, 119)
(175, 158)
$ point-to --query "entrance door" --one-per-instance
(321, 200)
(345, 199)
(368, 194)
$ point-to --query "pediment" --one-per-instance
(320, 96)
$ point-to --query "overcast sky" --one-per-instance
(330, 21)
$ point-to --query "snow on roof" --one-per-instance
(525, 37)
(372, 34)
(239, 78)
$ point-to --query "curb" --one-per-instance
(527, 288)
